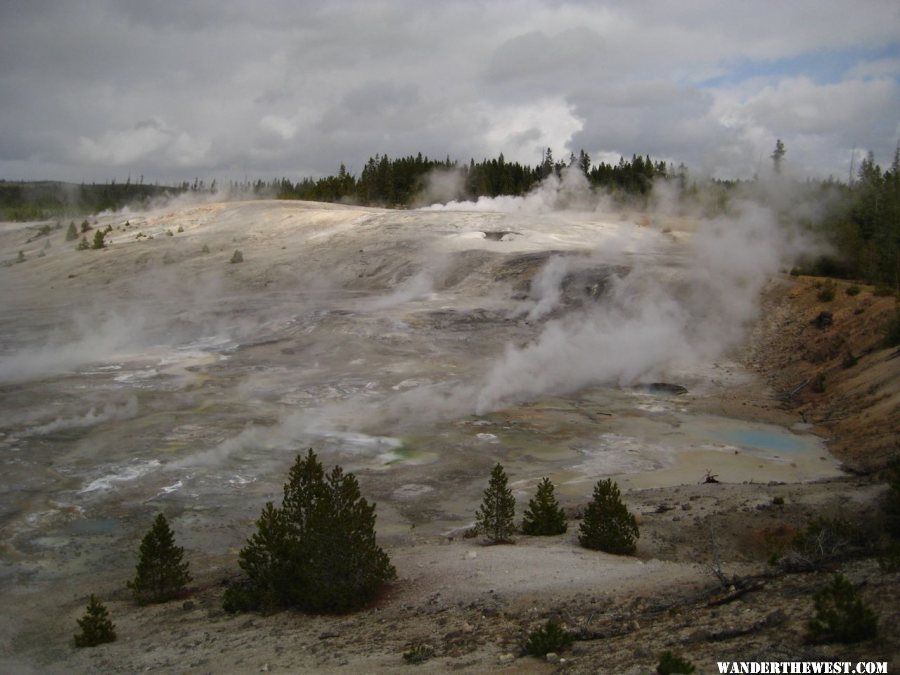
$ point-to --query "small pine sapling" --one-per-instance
(892, 500)
(607, 524)
(494, 517)
(161, 572)
(96, 627)
(841, 615)
(672, 664)
(419, 653)
(544, 517)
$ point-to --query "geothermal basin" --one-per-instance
(415, 348)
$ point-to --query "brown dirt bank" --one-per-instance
(834, 371)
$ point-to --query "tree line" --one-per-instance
(863, 225)
(397, 182)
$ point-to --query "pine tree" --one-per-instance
(317, 552)
(778, 155)
(96, 628)
(544, 517)
(71, 233)
(607, 524)
(161, 573)
(495, 516)
(266, 562)
(348, 568)
(841, 615)
(98, 240)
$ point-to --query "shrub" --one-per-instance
(849, 360)
(205, 249)
(494, 517)
(823, 320)
(826, 292)
(161, 573)
(85, 226)
(96, 627)
(892, 333)
(671, 664)
(852, 290)
(317, 552)
(21, 257)
(71, 233)
(418, 654)
(237, 257)
(83, 245)
(882, 291)
(889, 560)
(607, 524)
(818, 383)
(549, 638)
(544, 517)
(841, 615)
(892, 500)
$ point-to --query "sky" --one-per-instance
(92, 90)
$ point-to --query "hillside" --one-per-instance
(833, 370)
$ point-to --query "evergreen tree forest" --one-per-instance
(40, 200)
(397, 182)
(863, 225)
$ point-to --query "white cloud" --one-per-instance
(292, 88)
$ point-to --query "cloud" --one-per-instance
(538, 64)
(285, 88)
(800, 106)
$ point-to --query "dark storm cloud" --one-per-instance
(100, 88)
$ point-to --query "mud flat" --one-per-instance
(154, 375)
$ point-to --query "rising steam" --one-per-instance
(653, 320)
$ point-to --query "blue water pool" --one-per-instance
(764, 439)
